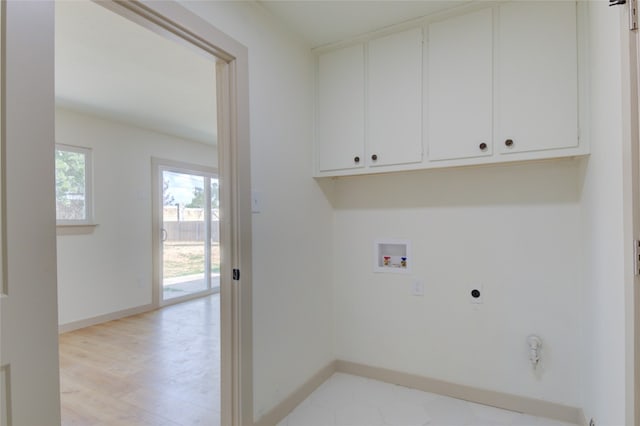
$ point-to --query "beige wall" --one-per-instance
(603, 349)
(543, 239)
(292, 306)
(513, 231)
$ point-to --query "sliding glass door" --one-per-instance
(189, 235)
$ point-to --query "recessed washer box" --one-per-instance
(392, 256)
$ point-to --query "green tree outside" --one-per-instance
(70, 185)
(197, 202)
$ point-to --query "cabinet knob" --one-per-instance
(509, 142)
(374, 157)
(356, 159)
(483, 146)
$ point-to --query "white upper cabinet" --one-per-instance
(395, 99)
(340, 109)
(459, 98)
(537, 76)
(487, 85)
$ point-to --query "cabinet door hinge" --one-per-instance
(636, 257)
(236, 274)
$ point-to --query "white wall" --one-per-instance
(110, 269)
(515, 230)
(292, 323)
(602, 215)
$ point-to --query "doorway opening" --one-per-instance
(127, 96)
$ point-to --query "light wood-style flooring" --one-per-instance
(160, 368)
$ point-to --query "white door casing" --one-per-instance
(28, 309)
(172, 20)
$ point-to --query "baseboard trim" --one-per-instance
(583, 418)
(534, 407)
(76, 325)
(282, 410)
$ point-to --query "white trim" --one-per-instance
(521, 404)
(76, 229)
(88, 322)
(635, 119)
(5, 395)
(631, 205)
(171, 20)
(282, 410)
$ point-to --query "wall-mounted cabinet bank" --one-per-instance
(487, 86)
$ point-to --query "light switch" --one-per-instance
(256, 202)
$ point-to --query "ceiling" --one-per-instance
(323, 22)
(109, 66)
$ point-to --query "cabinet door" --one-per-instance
(395, 99)
(340, 113)
(537, 76)
(460, 86)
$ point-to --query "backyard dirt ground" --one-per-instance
(187, 258)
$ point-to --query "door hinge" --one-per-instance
(633, 11)
(636, 257)
(236, 274)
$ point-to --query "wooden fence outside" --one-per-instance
(190, 230)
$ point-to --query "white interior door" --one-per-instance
(28, 299)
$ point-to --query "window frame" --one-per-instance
(88, 186)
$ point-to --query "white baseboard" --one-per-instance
(534, 407)
(583, 419)
(76, 325)
(280, 411)
(531, 406)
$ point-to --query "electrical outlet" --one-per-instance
(417, 288)
(476, 294)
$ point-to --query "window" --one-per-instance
(73, 186)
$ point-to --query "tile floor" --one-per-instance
(346, 400)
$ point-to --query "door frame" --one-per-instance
(173, 21)
(158, 166)
(631, 192)
(633, 290)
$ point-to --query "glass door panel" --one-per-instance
(215, 235)
(184, 234)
